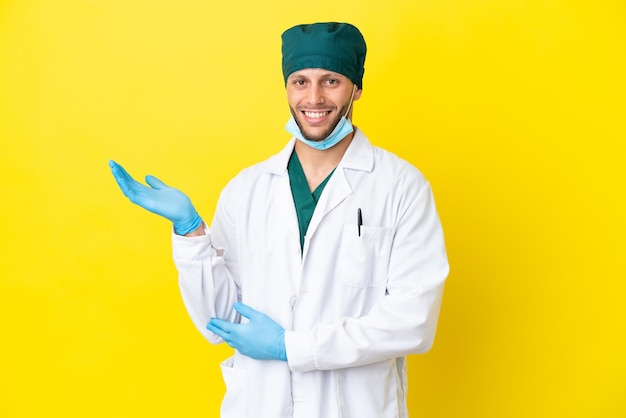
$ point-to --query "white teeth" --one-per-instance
(315, 115)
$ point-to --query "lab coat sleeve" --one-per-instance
(207, 287)
(404, 320)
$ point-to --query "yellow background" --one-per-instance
(514, 109)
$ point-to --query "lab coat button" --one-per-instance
(292, 301)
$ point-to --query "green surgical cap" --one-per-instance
(337, 47)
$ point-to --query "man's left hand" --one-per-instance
(261, 338)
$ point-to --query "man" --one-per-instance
(324, 265)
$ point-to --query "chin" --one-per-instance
(313, 139)
(317, 137)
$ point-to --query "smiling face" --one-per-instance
(318, 99)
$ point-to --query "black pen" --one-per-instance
(359, 220)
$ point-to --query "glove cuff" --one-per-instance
(183, 228)
(282, 351)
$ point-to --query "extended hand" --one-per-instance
(165, 201)
(261, 338)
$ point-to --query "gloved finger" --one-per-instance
(245, 310)
(155, 183)
(123, 179)
(119, 171)
(217, 331)
(222, 325)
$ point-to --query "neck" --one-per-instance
(317, 164)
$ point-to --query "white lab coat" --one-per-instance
(352, 306)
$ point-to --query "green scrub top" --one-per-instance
(304, 200)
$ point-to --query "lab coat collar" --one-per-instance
(360, 153)
(358, 156)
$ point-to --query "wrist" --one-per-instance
(199, 231)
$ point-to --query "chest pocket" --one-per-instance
(364, 260)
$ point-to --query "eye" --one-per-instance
(298, 82)
(332, 81)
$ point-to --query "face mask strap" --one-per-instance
(351, 100)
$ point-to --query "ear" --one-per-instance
(357, 94)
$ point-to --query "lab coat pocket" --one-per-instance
(364, 259)
(235, 400)
(371, 391)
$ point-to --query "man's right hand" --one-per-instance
(159, 198)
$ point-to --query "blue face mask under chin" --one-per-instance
(343, 128)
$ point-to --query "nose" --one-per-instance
(315, 95)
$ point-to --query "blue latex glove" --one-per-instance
(166, 201)
(261, 338)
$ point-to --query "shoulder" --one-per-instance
(387, 160)
(404, 182)
(263, 171)
(388, 165)
(257, 183)
(246, 180)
